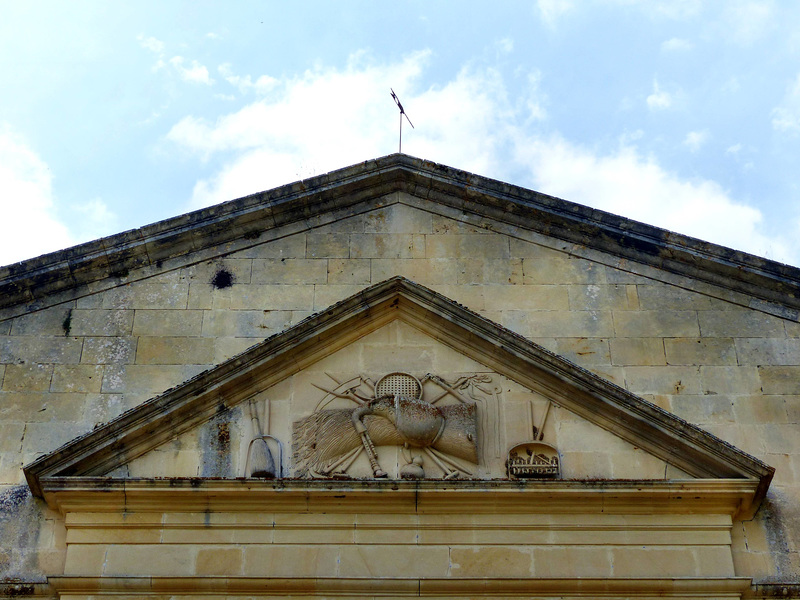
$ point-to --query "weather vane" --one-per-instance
(402, 113)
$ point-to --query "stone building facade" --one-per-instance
(399, 379)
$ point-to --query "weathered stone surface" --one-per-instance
(679, 333)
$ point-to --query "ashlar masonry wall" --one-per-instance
(695, 350)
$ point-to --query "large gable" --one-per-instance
(212, 232)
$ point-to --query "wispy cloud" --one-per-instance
(695, 140)
(745, 21)
(626, 183)
(193, 73)
(660, 99)
(329, 118)
(553, 10)
(31, 225)
(786, 116)
(676, 45)
(261, 85)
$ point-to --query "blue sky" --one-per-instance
(683, 114)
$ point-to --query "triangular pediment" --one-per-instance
(531, 379)
(242, 223)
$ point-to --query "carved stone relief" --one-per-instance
(534, 459)
(430, 416)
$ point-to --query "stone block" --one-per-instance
(525, 297)
(109, 350)
(398, 218)
(50, 321)
(349, 271)
(730, 380)
(44, 437)
(656, 323)
(245, 323)
(85, 559)
(149, 559)
(273, 297)
(768, 351)
(659, 296)
(204, 273)
(293, 246)
(496, 561)
(149, 296)
(27, 377)
(393, 561)
(327, 295)
(289, 271)
(327, 245)
(32, 349)
(572, 561)
(477, 271)
(354, 224)
(662, 561)
(586, 465)
(467, 246)
(219, 561)
(562, 269)
(167, 322)
(175, 351)
(703, 409)
(101, 408)
(738, 324)
(228, 347)
(443, 225)
(290, 561)
(77, 378)
(387, 245)
(583, 351)
(101, 322)
(602, 297)
(784, 380)
(637, 351)
(470, 296)
(664, 380)
(700, 351)
(558, 324)
(424, 272)
(148, 380)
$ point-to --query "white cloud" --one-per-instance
(552, 10)
(734, 150)
(31, 226)
(151, 43)
(626, 183)
(505, 46)
(97, 219)
(330, 118)
(786, 116)
(261, 85)
(676, 45)
(194, 73)
(696, 139)
(745, 21)
(659, 99)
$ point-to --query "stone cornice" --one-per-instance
(147, 251)
(733, 587)
(696, 496)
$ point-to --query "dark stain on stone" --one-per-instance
(222, 279)
(67, 323)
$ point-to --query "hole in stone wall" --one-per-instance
(222, 279)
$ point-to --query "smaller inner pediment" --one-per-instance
(396, 382)
(483, 416)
